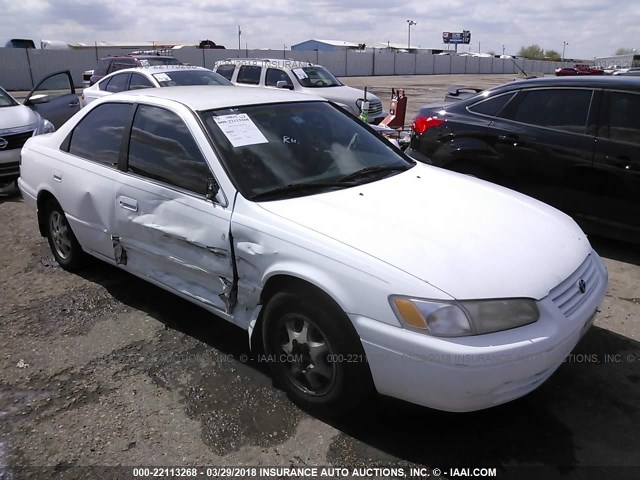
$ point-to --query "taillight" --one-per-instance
(422, 124)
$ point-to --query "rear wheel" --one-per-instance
(64, 245)
(314, 352)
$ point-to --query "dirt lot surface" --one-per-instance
(102, 369)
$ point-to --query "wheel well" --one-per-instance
(278, 283)
(44, 197)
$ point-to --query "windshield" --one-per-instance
(153, 61)
(315, 77)
(190, 77)
(6, 100)
(282, 147)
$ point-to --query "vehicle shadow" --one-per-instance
(12, 196)
(616, 249)
(586, 414)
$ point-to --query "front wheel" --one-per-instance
(314, 352)
(64, 245)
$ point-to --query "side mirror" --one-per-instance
(284, 84)
(212, 189)
(37, 99)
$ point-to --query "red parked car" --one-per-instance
(566, 71)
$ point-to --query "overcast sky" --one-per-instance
(591, 27)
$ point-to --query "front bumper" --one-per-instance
(9, 165)
(477, 372)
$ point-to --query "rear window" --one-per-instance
(190, 77)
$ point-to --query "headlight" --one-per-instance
(463, 318)
(44, 126)
(48, 127)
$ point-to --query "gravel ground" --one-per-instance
(102, 369)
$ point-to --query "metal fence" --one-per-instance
(20, 68)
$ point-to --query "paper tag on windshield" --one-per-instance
(240, 130)
(162, 77)
(300, 73)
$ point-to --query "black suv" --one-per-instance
(111, 64)
(571, 142)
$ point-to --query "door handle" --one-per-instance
(508, 138)
(128, 204)
(73, 104)
(57, 177)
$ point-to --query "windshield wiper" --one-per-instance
(298, 187)
(364, 172)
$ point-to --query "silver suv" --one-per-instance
(302, 77)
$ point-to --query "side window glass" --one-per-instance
(249, 74)
(139, 81)
(226, 71)
(621, 120)
(118, 83)
(561, 109)
(275, 75)
(162, 148)
(98, 136)
(102, 85)
(491, 106)
(57, 85)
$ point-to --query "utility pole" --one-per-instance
(410, 23)
(564, 44)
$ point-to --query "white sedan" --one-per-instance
(151, 77)
(354, 268)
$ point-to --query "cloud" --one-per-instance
(592, 27)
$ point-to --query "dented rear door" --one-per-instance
(166, 227)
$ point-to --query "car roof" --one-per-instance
(595, 81)
(282, 62)
(207, 97)
(159, 69)
(134, 56)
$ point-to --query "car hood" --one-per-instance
(468, 238)
(343, 94)
(17, 116)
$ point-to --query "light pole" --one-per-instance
(564, 45)
(502, 51)
(410, 23)
(239, 34)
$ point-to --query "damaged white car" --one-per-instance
(353, 267)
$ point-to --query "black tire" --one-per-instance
(323, 367)
(62, 241)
